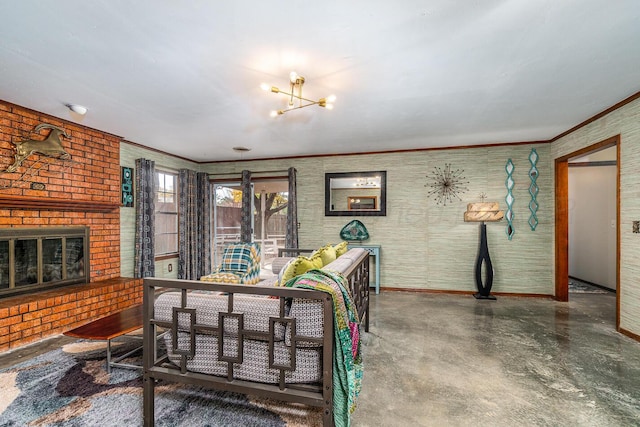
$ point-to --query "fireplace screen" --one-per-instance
(40, 258)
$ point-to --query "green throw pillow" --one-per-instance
(316, 259)
(328, 254)
(341, 248)
(299, 266)
(283, 270)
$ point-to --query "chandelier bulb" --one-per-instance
(265, 87)
(293, 76)
(331, 98)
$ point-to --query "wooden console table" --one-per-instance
(374, 250)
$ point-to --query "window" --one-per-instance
(166, 211)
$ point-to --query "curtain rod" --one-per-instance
(252, 172)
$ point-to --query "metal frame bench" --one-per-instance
(158, 366)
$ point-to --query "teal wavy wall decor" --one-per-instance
(509, 183)
(533, 189)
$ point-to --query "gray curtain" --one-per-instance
(194, 225)
(144, 257)
(245, 224)
(291, 239)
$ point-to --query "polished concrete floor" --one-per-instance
(450, 360)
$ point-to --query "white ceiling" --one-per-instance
(184, 77)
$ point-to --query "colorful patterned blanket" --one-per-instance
(347, 358)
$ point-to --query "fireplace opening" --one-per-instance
(34, 259)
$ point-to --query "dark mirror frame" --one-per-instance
(382, 211)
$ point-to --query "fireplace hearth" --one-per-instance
(35, 259)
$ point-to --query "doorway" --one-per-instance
(227, 217)
(269, 202)
(592, 222)
(562, 219)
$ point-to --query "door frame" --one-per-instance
(562, 220)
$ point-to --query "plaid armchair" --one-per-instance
(240, 264)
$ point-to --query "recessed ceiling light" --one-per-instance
(241, 149)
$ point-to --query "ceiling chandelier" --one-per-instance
(296, 100)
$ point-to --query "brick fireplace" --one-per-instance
(79, 191)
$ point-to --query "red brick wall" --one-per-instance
(92, 175)
(29, 318)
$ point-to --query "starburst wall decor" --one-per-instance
(446, 184)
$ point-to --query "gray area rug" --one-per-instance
(70, 387)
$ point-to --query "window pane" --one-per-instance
(166, 223)
(26, 262)
(161, 244)
(170, 200)
(51, 260)
(168, 183)
(160, 181)
(75, 258)
(166, 243)
(166, 208)
(166, 203)
(4, 264)
(172, 245)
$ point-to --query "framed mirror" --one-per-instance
(355, 193)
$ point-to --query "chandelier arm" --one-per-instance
(298, 97)
(299, 107)
(292, 95)
(308, 100)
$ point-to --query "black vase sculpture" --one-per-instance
(484, 289)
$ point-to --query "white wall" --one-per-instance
(592, 224)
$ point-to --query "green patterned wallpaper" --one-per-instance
(425, 246)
